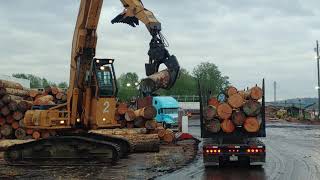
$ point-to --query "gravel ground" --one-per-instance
(136, 166)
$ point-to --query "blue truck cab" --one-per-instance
(167, 110)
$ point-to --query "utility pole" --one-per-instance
(275, 91)
(317, 50)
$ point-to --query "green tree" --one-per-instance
(186, 84)
(128, 86)
(210, 77)
(63, 85)
(35, 81)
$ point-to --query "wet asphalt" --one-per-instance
(293, 153)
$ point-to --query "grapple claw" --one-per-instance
(122, 18)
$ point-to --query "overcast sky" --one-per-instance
(246, 39)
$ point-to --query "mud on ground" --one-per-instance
(136, 166)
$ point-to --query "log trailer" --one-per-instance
(237, 147)
(91, 97)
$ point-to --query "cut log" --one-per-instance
(13, 106)
(55, 90)
(130, 115)
(34, 93)
(161, 132)
(156, 81)
(2, 91)
(251, 124)
(238, 117)
(64, 98)
(243, 94)
(1, 104)
(5, 111)
(122, 108)
(10, 84)
(169, 136)
(21, 123)
(236, 100)
(231, 91)
(130, 124)
(252, 108)
(2, 121)
(36, 135)
(23, 106)
(48, 90)
(122, 123)
(29, 131)
(256, 93)
(213, 102)
(119, 131)
(227, 126)
(213, 126)
(17, 92)
(9, 119)
(61, 96)
(151, 124)
(8, 98)
(210, 112)
(44, 100)
(143, 142)
(139, 122)
(6, 130)
(17, 115)
(224, 111)
(15, 125)
(148, 112)
(20, 134)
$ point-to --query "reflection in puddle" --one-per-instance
(234, 173)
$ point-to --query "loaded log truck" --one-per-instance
(236, 147)
(91, 96)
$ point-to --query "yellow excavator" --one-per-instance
(92, 93)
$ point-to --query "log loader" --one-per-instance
(92, 93)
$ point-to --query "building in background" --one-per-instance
(24, 82)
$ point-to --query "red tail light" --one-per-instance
(255, 150)
(212, 151)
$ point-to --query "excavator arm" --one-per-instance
(134, 12)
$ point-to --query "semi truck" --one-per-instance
(238, 147)
(167, 110)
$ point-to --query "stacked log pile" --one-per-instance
(239, 109)
(15, 100)
(50, 96)
(13, 105)
(142, 118)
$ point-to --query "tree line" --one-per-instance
(207, 73)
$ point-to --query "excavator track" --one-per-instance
(86, 149)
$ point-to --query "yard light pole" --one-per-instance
(318, 87)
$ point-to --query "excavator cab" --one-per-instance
(106, 78)
(100, 104)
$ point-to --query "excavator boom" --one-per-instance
(91, 97)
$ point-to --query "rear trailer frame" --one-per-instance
(232, 147)
(217, 155)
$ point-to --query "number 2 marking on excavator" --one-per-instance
(106, 107)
